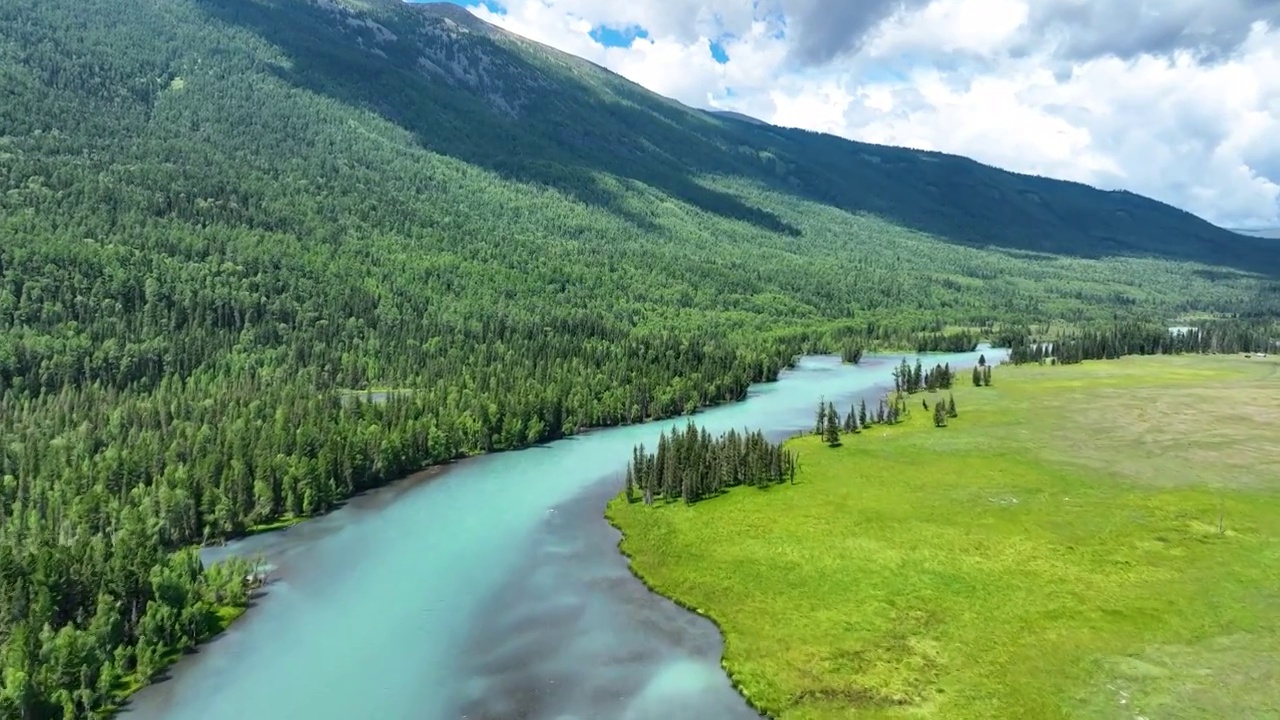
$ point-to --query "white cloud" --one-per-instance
(1182, 105)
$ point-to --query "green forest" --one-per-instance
(222, 221)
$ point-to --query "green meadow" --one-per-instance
(1090, 541)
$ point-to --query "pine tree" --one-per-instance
(862, 412)
(820, 417)
(982, 360)
(951, 406)
(939, 415)
(986, 376)
(630, 487)
(977, 376)
(832, 434)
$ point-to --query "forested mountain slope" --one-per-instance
(217, 216)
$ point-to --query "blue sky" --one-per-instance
(610, 37)
(492, 6)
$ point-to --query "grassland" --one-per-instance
(1056, 552)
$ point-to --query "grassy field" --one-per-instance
(1056, 552)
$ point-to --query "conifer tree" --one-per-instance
(832, 434)
(951, 406)
(862, 412)
(820, 417)
(939, 415)
(977, 376)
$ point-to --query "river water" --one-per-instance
(489, 590)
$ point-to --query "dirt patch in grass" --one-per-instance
(1216, 678)
(1180, 429)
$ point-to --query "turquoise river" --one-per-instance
(488, 590)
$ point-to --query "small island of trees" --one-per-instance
(690, 465)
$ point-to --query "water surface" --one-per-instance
(491, 589)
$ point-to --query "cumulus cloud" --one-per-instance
(1174, 99)
(822, 30)
(1084, 29)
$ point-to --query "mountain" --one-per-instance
(737, 116)
(1272, 233)
(221, 217)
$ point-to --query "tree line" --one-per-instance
(1109, 342)
(891, 409)
(690, 465)
(908, 379)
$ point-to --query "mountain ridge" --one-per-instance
(1119, 237)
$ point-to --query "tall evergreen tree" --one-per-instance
(832, 433)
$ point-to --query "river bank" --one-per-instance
(405, 575)
(1028, 560)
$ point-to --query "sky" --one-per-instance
(1178, 100)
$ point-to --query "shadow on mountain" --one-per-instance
(564, 136)
(532, 114)
(966, 202)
